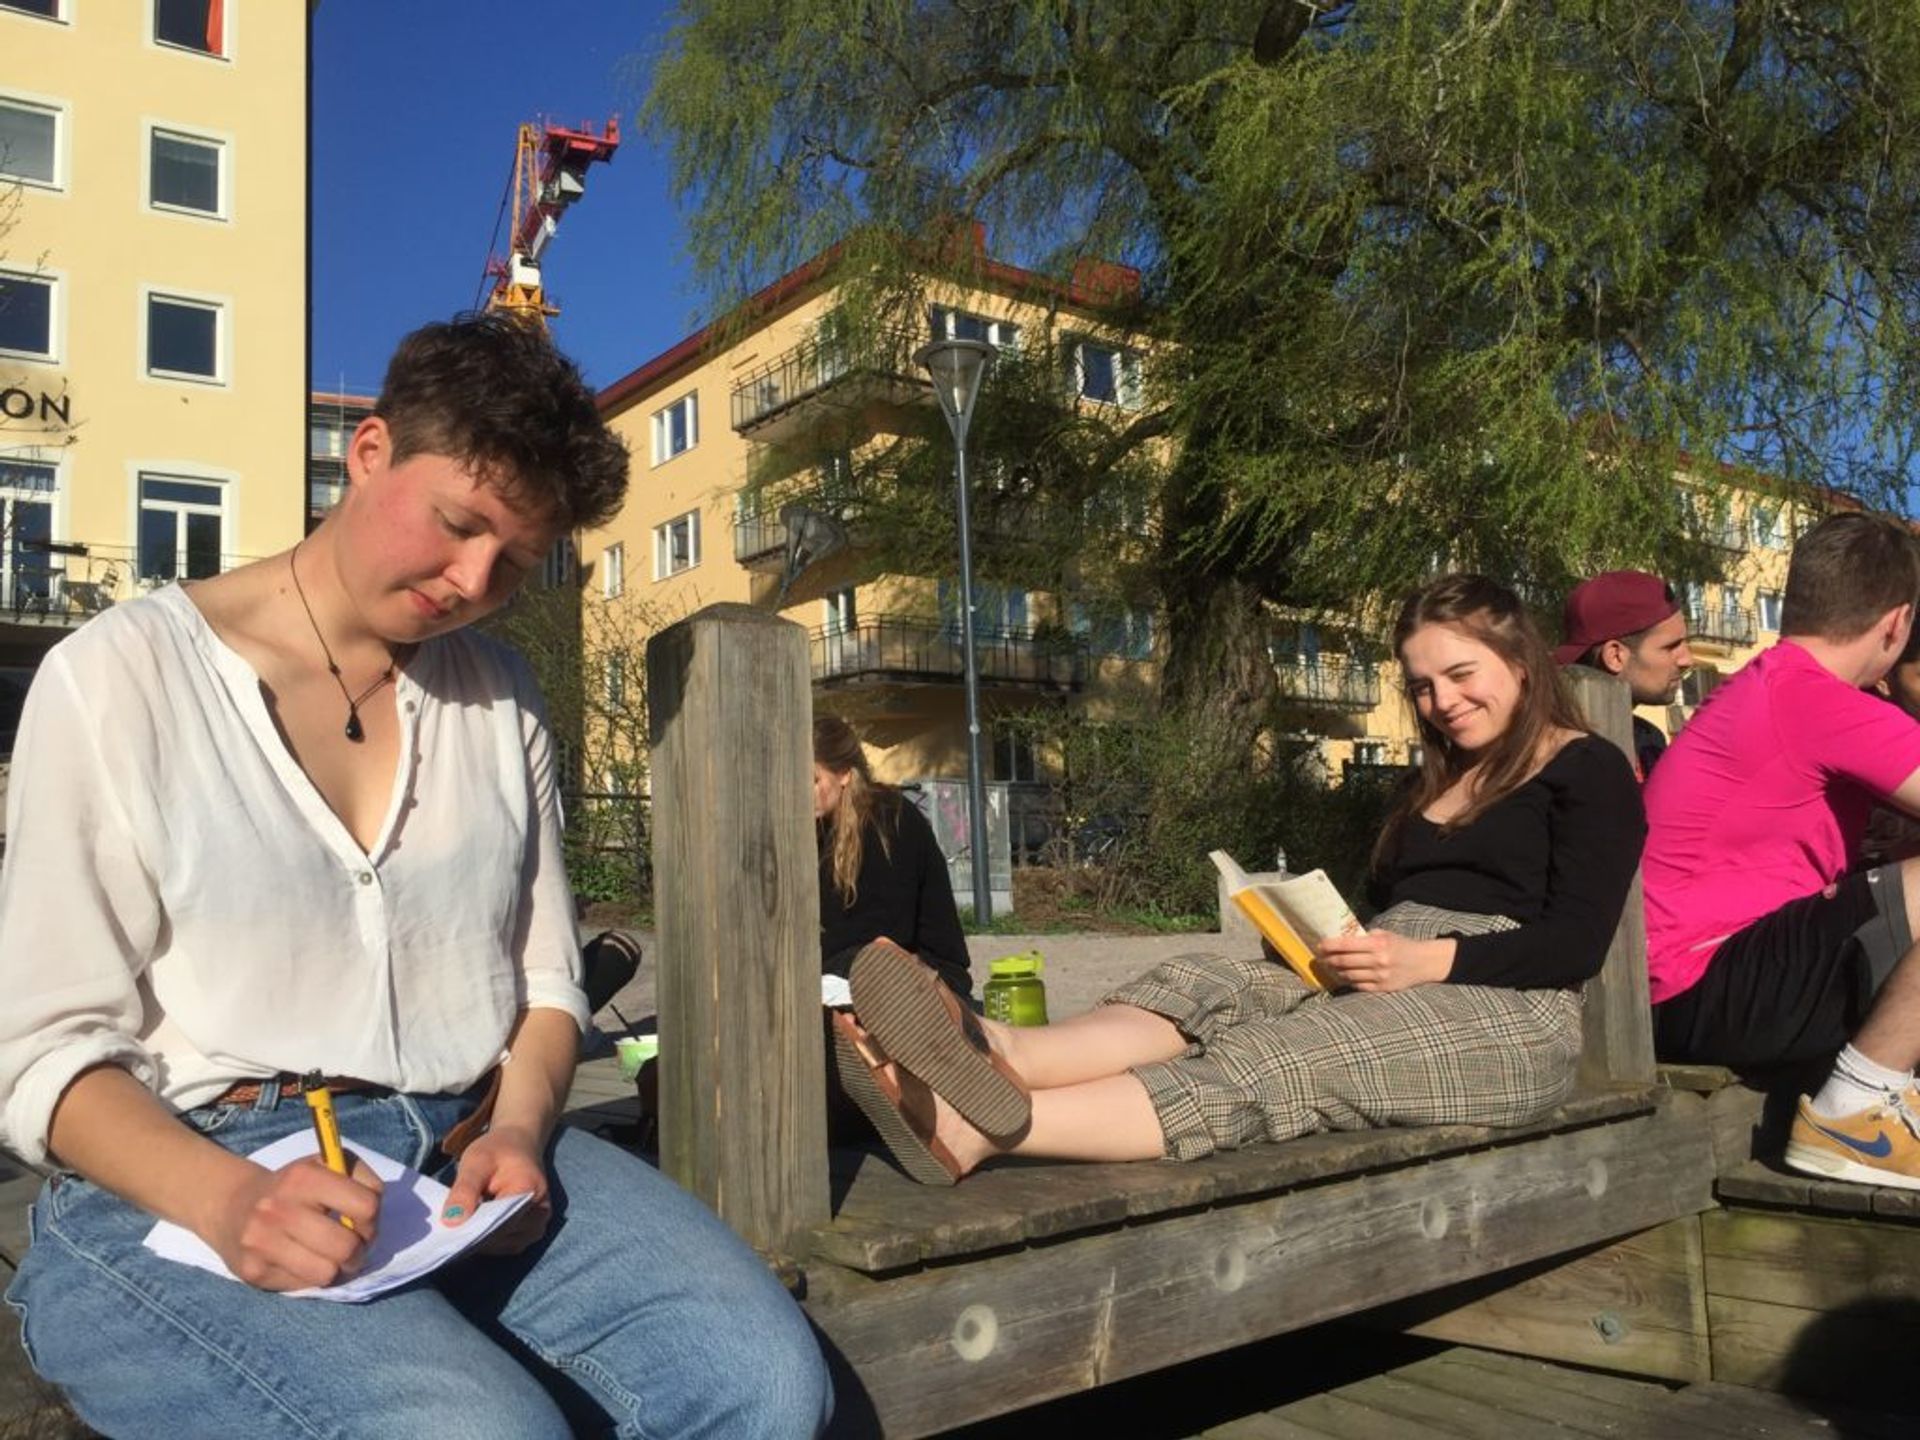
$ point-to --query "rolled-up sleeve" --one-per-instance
(79, 916)
(547, 940)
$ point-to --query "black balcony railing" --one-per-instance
(1329, 684)
(892, 648)
(757, 536)
(1722, 624)
(821, 363)
(69, 582)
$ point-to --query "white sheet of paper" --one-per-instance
(411, 1241)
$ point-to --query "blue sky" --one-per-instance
(415, 108)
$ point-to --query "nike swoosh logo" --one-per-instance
(1878, 1148)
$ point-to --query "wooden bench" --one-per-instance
(1030, 1281)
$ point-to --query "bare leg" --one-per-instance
(1108, 1040)
(1105, 1119)
(1891, 1035)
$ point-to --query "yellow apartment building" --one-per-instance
(703, 418)
(153, 326)
(886, 648)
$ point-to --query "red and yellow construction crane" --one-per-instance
(549, 173)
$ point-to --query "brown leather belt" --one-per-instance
(247, 1092)
(457, 1138)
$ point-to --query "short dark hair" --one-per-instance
(1590, 657)
(1846, 573)
(495, 394)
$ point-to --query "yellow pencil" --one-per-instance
(325, 1126)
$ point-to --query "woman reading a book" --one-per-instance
(298, 817)
(1501, 876)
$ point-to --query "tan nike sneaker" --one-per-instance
(1876, 1146)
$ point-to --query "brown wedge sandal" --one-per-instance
(900, 1107)
(923, 1026)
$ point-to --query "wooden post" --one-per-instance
(737, 906)
(1618, 1048)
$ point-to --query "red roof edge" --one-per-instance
(1094, 285)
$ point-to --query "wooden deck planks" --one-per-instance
(884, 1221)
(953, 1343)
(1475, 1394)
(1637, 1306)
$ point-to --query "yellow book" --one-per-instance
(1294, 913)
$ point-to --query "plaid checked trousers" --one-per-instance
(1271, 1059)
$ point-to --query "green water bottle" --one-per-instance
(1014, 991)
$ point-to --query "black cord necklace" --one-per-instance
(355, 731)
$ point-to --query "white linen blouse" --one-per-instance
(178, 899)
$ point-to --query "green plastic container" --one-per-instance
(1014, 992)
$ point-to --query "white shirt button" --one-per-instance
(366, 877)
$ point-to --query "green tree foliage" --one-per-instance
(589, 656)
(1430, 281)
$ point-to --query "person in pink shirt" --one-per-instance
(1765, 945)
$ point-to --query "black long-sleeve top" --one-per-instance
(1557, 855)
(904, 893)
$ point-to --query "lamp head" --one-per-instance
(957, 368)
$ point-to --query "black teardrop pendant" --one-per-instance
(354, 732)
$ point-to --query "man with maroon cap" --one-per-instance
(1627, 623)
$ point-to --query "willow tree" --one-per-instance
(1460, 279)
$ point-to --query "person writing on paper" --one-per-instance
(1502, 872)
(299, 817)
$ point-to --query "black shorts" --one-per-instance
(1794, 985)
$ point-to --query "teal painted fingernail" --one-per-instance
(454, 1212)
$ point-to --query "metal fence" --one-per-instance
(1330, 684)
(1725, 624)
(815, 364)
(889, 647)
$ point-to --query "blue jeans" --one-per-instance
(639, 1315)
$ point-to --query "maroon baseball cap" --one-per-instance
(1620, 602)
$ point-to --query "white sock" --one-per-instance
(1857, 1084)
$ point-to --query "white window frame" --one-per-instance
(613, 571)
(223, 169)
(225, 51)
(1001, 334)
(840, 612)
(1126, 379)
(1014, 752)
(663, 428)
(221, 308)
(54, 499)
(615, 678)
(181, 508)
(1693, 603)
(59, 16)
(56, 316)
(1764, 600)
(663, 566)
(22, 100)
(1133, 625)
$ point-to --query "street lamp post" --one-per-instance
(957, 368)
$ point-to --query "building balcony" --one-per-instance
(759, 538)
(1329, 684)
(66, 583)
(1721, 624)
(788, 395)
(895, 650)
